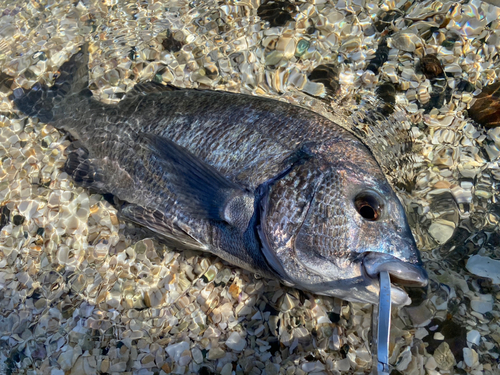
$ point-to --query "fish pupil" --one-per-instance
(367, 212)
(368, 207)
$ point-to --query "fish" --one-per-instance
(268, 186)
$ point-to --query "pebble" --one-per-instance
(236, 342)
(473, 337)
(197, 355)
(482, 303)
(471, 357)
(175, 350)
(485, 267)
(227, 369)
(444, 357)
(438, 336)
(313, 366)
(215, 353)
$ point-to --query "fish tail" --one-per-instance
(48, 104)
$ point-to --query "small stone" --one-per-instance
(197, 355)
(118, 367)
(302, 47)
(444, 357)
(184, 360)
(18, 219)
(431, 66)
(473, 337)
(105, 364)
(215, 353)
(166, 368)
(471, 357)
(485, 267)
(343, 365)
(431, 364)
(486, 109)
(227, 369)
(175, 351)
(313, 366)
(438, 336)
(441, 230)
(277, 13)
(65, 359)
(482, 303)
(328, 75)
(236, 342)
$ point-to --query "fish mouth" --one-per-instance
(401, 273)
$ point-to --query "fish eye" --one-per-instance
(368, 206)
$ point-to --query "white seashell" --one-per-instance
(175, 350)
(485, 267)
(441, 230)
(236, 342)
(471, 357)
(473, 337)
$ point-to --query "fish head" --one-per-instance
(330, 226)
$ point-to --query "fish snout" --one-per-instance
(401, 273)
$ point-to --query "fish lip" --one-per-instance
(401, 272)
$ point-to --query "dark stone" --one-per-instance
(466, 86)
(441, 93)
(271, 309)
(334, 317)
(6, 80)
(431, 67)
(40, 231)
(455, 335)
(311, 30)
(171, 44)
(387, 93)
(205, 371)
(450, 40)
(18, 219)
(278, 13)
(275, 345)
(381, 56)
(486, 110)
(4, 216)
(417, 295)
(386, 18)
(344, 350)
(328, 75)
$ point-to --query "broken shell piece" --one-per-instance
(484, 267)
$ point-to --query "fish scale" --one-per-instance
(266, 185)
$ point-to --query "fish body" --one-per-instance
(265, 185)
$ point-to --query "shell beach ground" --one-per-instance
(83, 292)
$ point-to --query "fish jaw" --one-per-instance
(401, 274)
(355, 281)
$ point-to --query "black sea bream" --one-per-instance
(265, 185)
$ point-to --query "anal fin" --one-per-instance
(156, 221)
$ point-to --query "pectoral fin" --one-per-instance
(200, 188)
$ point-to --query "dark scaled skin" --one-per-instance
(177, 158)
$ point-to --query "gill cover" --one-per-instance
(283, 210)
